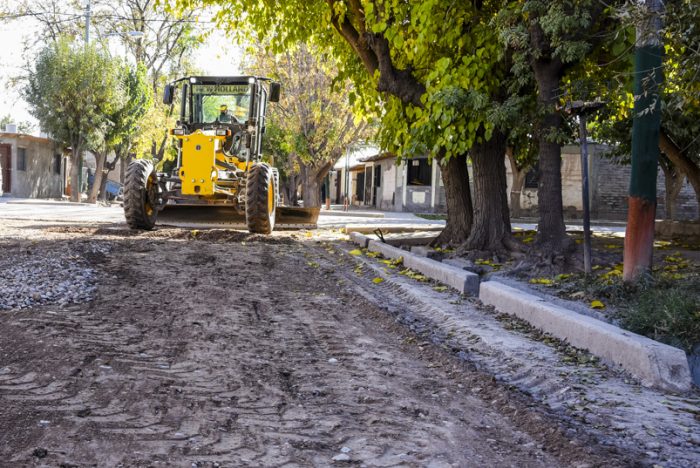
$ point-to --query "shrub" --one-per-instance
(670, 315)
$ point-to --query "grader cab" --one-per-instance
(219, 176)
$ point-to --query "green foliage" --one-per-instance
(670, 315)
(680, 105)
(126, 120)
(72, 91)
(449, 49)
(313, 124)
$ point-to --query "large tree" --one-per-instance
(313, 123)
(431, 68)
(72, 90)
(123, 124)
(151, 36)
(545, 41)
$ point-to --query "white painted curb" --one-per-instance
(463, 281)
(655, 364)
(359, 239)
(369, 228)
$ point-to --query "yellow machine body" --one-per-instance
(198, 172)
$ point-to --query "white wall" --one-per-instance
(38, 180)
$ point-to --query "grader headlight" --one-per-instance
(179, 131)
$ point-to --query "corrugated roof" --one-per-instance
(356, 157)
(380, 157)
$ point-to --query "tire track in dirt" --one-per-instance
(240, 354)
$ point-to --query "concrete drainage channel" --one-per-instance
(655, 364)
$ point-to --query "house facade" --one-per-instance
(31, 166)
(608, 188)
(415, 185)
(376, 180)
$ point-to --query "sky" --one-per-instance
(217, 56)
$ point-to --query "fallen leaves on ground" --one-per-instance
(413, 275)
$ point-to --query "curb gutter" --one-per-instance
(655, 364)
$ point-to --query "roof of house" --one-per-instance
(380, 157)
(356, 158)
(24, 136)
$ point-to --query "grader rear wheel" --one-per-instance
(141, 195)
(261, 199)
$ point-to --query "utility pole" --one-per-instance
(648, 77)
(87, 21)
(87, 42)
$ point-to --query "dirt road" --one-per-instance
(222, 349)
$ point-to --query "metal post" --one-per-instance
(580, 109)
(346, 202)
(584, 193)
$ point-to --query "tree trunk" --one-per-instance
(551, 235)
(109, 167)
(673, 182)
(517, 185)
(682, 162)
(103, 187)
(460, 215)
(311, 191)
(491, 227)
(99, 175)
(289, 190)
(310, 188)
(76, 159)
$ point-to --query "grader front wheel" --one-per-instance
(141, 195)
(261, 199)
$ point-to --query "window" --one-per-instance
(57, 164)
(419, 172)
(209, 100)
(21, 159)
(532, 177)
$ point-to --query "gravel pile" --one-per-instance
(44, 275)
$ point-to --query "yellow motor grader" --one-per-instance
(219, 176)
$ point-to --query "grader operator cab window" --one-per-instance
(220, 103)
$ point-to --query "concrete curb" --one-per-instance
(42, 202)
(655, 364)
(423, 251)
(352, 214)
(463, 281)
(359, 239)
(369, 228)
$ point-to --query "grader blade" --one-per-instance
(294, 217)
(228, 216)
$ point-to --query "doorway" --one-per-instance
(6, 165)
(376, 187)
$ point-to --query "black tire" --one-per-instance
(141, 195)
(259, 210)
